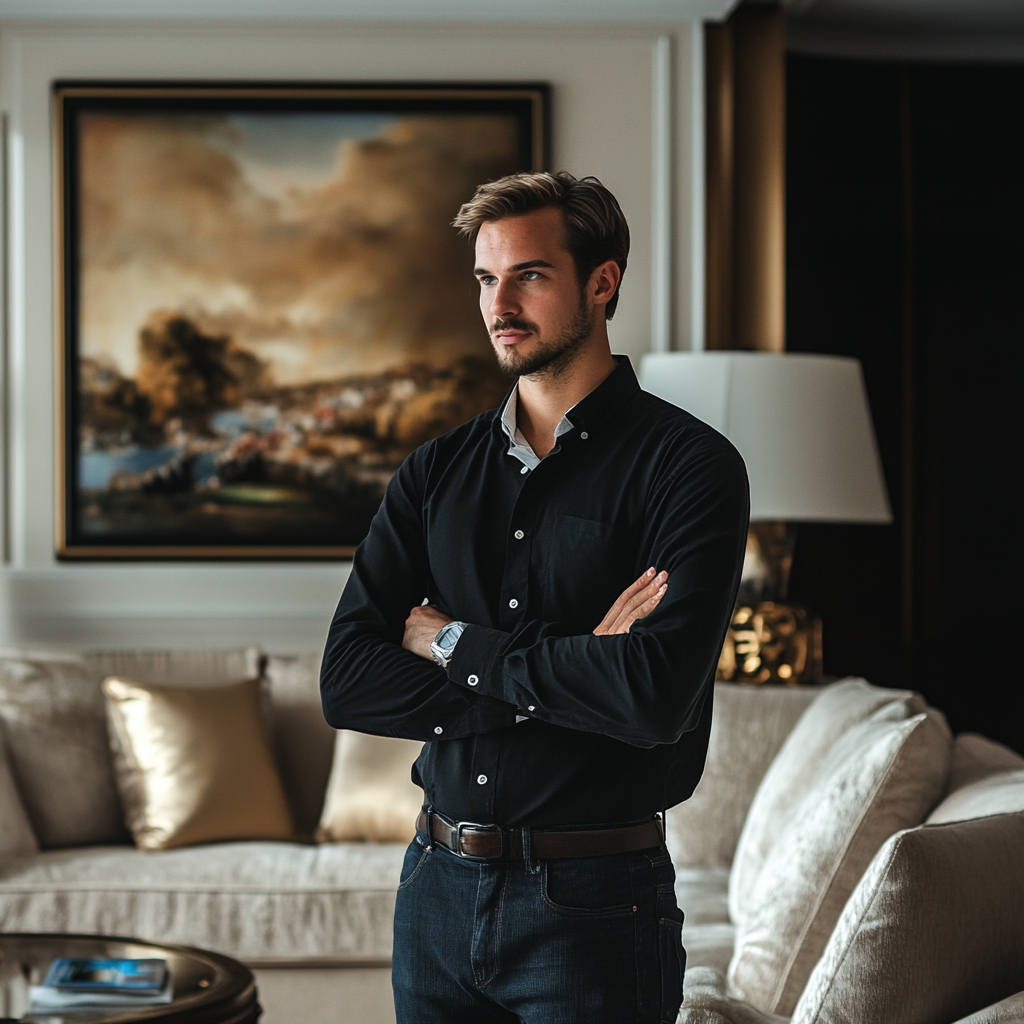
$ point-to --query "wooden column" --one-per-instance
(745, 180)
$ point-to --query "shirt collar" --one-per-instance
(590, 414)
(518, 445)
(605, 400)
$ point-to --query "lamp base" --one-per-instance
(770, 642)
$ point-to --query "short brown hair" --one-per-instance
(595, 228)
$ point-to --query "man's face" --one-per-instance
(530, 296)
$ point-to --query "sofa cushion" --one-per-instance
(194, 763)
(370, 795)
(932, 932)
(1006, 1011)
(258, 901)
(975, 757)
(837, 708)
(707, 1001)
(303, 741)
(16, 835)
(884, 774)
(993, 794)
(54, 720)
(748, 727)
(177, 667)
(54, 717)
(708, 934)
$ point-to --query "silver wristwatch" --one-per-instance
(443, 646)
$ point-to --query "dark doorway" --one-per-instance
(905, 248)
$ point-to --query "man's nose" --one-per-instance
(504, 300)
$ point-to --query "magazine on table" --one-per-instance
(99, 981)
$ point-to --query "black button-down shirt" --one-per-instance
(617, 726)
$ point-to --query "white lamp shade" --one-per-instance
(801, 423)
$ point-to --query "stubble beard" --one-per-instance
(549, 358)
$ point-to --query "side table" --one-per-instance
(208, 988)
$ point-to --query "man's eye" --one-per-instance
(531, 275)
(487, 279)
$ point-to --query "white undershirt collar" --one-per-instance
(518, 445)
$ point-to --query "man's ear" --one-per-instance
(604, 282)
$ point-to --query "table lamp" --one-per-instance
(802, 424)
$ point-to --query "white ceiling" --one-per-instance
(635, 12)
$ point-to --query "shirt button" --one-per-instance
(481, 780)
(473, 680)
(525, 469)
(531, 708)
(584, 435)
(438, 730)
(513, 603)
(519, 535)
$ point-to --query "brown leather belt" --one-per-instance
(471, 841)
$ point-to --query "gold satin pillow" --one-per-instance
(193, 763)
(370, 796)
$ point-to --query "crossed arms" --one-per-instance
(637, 600)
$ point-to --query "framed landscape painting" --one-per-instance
(262, 307)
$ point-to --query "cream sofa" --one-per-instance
(806, 868)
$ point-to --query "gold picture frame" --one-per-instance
(261, 307)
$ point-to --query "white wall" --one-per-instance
(624, 103)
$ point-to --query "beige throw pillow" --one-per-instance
(16, 835)
(975, 757)
(932, 932)
(882, 775)
(370, 795)
(194, 763)
(54, 719)
(790, 774)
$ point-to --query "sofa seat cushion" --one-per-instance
(706, 1001)
(257, 901)
(708, 934)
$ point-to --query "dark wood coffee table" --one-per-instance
(208, 988)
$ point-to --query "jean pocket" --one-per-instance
(672, 961)
(590, 885)
(415, 857)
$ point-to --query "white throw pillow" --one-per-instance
(789, 776)
(16, 835)
(884, 774)
(370, 795)
(932, 932)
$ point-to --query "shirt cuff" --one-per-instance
(476, 662)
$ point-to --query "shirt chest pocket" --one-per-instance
(587, 564)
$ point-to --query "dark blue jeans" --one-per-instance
(595, 940)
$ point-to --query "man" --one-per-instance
(542, 598)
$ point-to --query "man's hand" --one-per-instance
(421, 627)
(636, 601)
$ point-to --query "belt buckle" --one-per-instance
(460, 826)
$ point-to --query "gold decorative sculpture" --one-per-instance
(771, 643)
